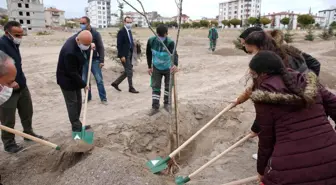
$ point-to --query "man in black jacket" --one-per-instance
(20, 98)
(71, 59)
(97, 60)
(125, 46)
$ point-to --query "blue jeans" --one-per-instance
(97, 73)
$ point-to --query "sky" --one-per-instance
(196, 9)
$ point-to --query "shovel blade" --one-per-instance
(86, 136)
(157, 165)
(181, 180)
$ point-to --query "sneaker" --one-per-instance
(35, 135)
(104, 102)
(166, 107)
(13, 149)
(153, 112)
(255, 156)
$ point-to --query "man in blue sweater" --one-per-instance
(20, 98)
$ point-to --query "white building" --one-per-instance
(54, 17)
(99, 11)
(329, 17)
(239, 9)
(293, 24)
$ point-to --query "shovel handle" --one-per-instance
(201, 130)
(87, 91)
(220, 155)
(37, 140)
(242, 181)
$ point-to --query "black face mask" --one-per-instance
(244, 49)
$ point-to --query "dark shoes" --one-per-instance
(35, 135)
(153, 112)
(14, 148)
(132, 90)
(77, 129)
(166, 107)
(115, 86)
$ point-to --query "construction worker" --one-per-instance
(7, 77)
(20, 98)
(159, 65)
(213, 36)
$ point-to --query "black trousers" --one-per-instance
(73, 101)
(128, 73)
(156, 79)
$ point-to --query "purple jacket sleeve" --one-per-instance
(329, 102)
(266, 135)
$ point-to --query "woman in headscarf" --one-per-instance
(297, 144)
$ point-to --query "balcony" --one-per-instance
(56, 14)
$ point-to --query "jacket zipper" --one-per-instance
(270, 167)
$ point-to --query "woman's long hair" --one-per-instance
(264, 42)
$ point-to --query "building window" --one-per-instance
(100, 22)
(28, 13)
(103, 8)
(241, 11)
(21, 21)
(99, 12)
(235, 12)
(104, 22)
(19, 5)
(28, 21)
(99, 2)
(20, 13)
(242, 6)
(99, 7)
(27, 5)
(29, 28)
(99, 17)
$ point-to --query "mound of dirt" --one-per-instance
(229, 52)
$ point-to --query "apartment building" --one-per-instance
(99, 11)
(239, 9)
(30, 13)
(54, 17)
(138, 19)
(329, 17)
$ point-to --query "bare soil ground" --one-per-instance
(125, 137)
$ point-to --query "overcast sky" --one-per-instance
(194, 8)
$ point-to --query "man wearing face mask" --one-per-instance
(213, 36)
(7, 77)
(71, 60)
(159, 65)
(97, 60)
(125, 46)
(20, 98)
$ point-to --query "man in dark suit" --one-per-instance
(125, 46)
(71, 59)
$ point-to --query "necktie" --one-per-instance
(131, 38)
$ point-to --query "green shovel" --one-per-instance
(159, 164)
(183, 180)
(85, 135)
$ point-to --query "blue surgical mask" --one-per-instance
(128, 25)
(83, 26)
(162, 38)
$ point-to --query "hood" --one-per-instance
(273, 91)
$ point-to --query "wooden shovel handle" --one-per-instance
(242, 181)
(87, 91)
(201, 130)
(220, 155)
(37, 140)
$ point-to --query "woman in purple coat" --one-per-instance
(297, 144)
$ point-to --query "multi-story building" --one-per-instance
(184, 19)
(30, 13)
(99, 11)
(239, 9)
(329, 17)
(54, 17)
(138, 19)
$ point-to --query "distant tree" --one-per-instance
(226, 22)
(156, 24)
(204, 23)
(333, 25)
(317, 25)
(285, 21)
(325, 35)
(264, 21)
(305, 20)
(252, 20)
(214, 23)
(186, 25)
(310, 34)
(3, 20)
(288, 36)
(235, 22)
(195, 25)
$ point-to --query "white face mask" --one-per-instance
(16, 40)
(83, 47)
(5, 94)
(128, 26)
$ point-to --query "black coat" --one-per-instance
(99, 52)
(70, 66)
(12, 50)
(123, 43)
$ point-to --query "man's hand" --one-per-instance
(14, 85)
(86, 88)
(123, 59)
(260, 177)
(150, 71)
(173, 69)
(93, 46)
(101, 65)
(253, 134)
